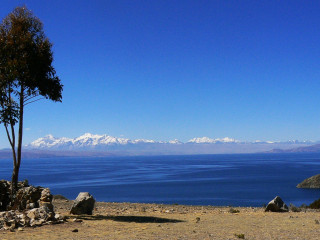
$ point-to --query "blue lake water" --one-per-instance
(234, 180)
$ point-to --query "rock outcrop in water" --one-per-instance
(312, 182)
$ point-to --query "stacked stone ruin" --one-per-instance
(32, 207)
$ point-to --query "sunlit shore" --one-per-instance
(158, 221)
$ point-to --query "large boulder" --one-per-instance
(312, 182)
(83, 204)
(277, 205)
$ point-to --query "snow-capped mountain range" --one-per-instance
(94, 141)
(210, 140)
(88, 140)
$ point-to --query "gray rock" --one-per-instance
(46, 199)
(31, 205)
(83, 204)
(277, 205)
(34, 214)
(46, 195)
(47, 205)
(312, 182)
(10, 220)
(77, 220)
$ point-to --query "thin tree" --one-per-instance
(26, 75)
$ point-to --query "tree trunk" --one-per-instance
(14, 181)
(16, 168)
(15, 173)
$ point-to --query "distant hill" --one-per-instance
(7, 153)
(308, 149)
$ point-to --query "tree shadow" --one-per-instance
(136, 219)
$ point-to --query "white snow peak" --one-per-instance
(95, 141)
(210, 140)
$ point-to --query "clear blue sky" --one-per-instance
(180, 69)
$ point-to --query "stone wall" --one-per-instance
(32, 206)
(27, 197)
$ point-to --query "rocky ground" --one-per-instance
(154, 221)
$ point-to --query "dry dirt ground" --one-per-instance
(156, 221)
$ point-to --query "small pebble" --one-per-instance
(77, 220)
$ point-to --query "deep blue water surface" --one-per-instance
(235, 180)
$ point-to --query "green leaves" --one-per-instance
(26, 74)
(9, 114)
(26, 58)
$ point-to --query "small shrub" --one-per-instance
(26, 182)
(143, 209)
(316, 221)
(315, 204)
(232, 210)
(239, 235)
(303, 205)
(293, 208)
(59, 197)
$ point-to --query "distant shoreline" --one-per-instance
(35, 154)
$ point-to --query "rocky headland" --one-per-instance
(312, 182)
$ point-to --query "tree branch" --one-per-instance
(13, 134)
(10, 141)
(33, 101)
(26, 99)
